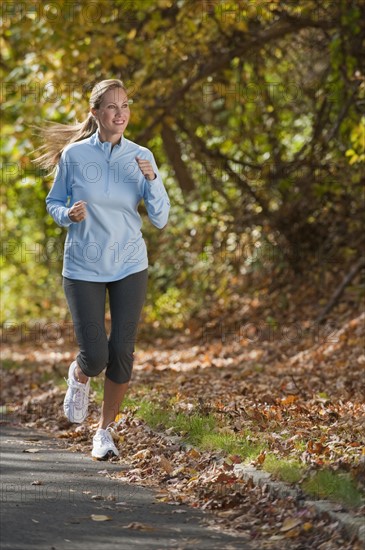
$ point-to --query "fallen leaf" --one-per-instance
(166, 464)
(290, 523)
(142, 454)
(224, 478)
(96, 517)
(139, 526)
(37, 482)
(193, 453)
(261, 458)
(292, 533)
(289, 400)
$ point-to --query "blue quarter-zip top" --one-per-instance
(108, 245)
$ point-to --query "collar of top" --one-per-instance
(106, 146)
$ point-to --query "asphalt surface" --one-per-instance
(49, 495)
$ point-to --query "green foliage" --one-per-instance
(256, 107)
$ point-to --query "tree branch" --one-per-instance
(208, 67)
(340, 289)
(217, 155)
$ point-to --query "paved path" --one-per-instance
(47, 504)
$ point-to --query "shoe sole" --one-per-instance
(109, 454)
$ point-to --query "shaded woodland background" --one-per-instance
(255, 113)
(252, 340)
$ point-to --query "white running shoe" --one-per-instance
(103, 445)
(76, 400)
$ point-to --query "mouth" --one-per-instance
(119, 122)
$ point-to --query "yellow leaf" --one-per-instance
(354, 159)
(120, 59)
(132, 33)
(96, 517)
(242, 26)
(290, 523)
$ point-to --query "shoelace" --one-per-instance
(80, 394)
(105, 437)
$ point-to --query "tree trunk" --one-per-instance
(173, 152)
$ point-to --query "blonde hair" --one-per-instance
(56, 135)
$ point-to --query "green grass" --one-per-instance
(232, 444)
(192, 427)
(197, 429)
(335, 486)
(290, 471)
(206, 433)
(97, 385)
(9, 364)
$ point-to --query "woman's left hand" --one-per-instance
(146, 168)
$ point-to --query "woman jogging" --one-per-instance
(100, 179)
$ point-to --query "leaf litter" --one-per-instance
(304, 400)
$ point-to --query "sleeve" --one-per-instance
(156, 198)
(59, 195)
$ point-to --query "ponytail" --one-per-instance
(56, 135)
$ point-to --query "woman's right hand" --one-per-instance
(77, 212)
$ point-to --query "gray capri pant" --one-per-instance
(86, 301)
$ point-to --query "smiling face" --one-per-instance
(112, 115)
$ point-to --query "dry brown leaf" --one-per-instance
(193, 453)
(261, 458)
(293, 533)
(142, 454)
(289, 400)
(166, 464)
